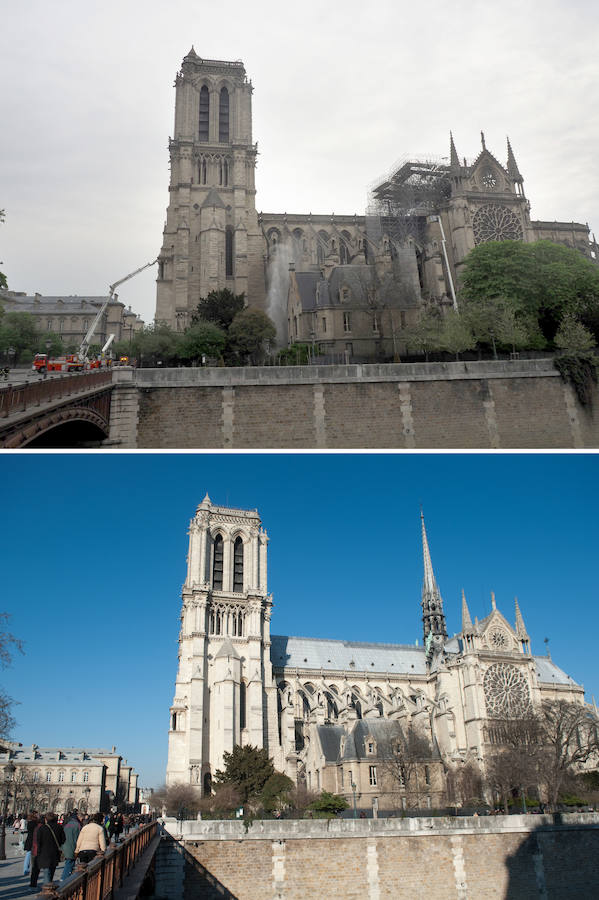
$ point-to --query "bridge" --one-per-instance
(63, 411)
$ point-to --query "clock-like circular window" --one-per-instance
(494, 222)
(506, 692)
(498, 639)
(489, 179)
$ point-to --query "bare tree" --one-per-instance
(570, 742)
(177, 799)
(8, 645)
(402, 758)
(464, 784)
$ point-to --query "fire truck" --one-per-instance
(77, 362)
(69, 363)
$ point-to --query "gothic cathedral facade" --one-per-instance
(344, 283)
(322, 707)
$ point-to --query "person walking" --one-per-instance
(32, 823)
(72, 829)
(50, 837)
(91, 840)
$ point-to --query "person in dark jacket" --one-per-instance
(32, 823)
(50, 838)
(71, 828)
(35, 869)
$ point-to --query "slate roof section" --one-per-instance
(321, 653)
(549, 673)
(56, 305)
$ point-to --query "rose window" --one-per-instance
(498, 639)
(506, 692)
(496, 223)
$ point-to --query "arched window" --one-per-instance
(226, 173)
(229, 252)
(223, 117)
(86, 777)
(238, 565)
(204, 113)
(207, 784)
(217, 564)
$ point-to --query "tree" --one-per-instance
(425, 335)
(540, 278)
(177, 799)
(219, 307)
(202, 339)
(248, 769)
(401, 757)
(456, 334)
(570, 739)
(573, 336)
(328, 805)
(156, 343)
(9, 644)
(276, 792)
(19, 331)
(248, 333)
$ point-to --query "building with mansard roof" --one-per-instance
(328, 711)
(61, 779)
(347, 284)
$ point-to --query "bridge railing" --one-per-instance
(105, 874)
(20, 397)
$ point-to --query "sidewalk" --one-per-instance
(13, 884)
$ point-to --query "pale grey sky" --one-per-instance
(341, 92)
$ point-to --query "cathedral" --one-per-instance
(347, 284)
(326, 710)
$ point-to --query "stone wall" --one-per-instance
(464, 858)
(478, 405)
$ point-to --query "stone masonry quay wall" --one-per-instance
(515, 857)
(478, 405)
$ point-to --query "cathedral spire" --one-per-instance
(466, 620)
(433, 618)
(520, 626)
(454, 159)
(512, 165)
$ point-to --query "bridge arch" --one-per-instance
(67, 428)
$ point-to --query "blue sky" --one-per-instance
(94, 559)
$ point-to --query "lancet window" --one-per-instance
(204, 114)
(229, 272)
(238, 565)
(217, 564)
(223, 117)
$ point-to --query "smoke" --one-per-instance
(278, 288)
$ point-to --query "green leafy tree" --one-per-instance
(219, 307)
(156, 343)
(276, 792)
(202, 339)
(328, 805)
(248, 333)
(425, 335)
(19, 331)
(573, 336)
(248, 769)
(540, 278)
(456, 334)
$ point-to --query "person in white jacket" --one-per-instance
(91, 840)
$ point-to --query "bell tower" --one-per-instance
(211, 236)
(224, 692)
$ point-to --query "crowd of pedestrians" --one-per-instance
(75, 837)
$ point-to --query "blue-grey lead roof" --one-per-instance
(321, 653)
(549, 673)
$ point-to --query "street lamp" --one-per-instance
(353, 787)
(9, 771)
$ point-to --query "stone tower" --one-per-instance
(211, 236)
(224, 692)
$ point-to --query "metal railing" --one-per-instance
(20, 397)
(105, 874)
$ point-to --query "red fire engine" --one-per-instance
(68, 363)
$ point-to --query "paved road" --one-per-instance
(23, 374)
